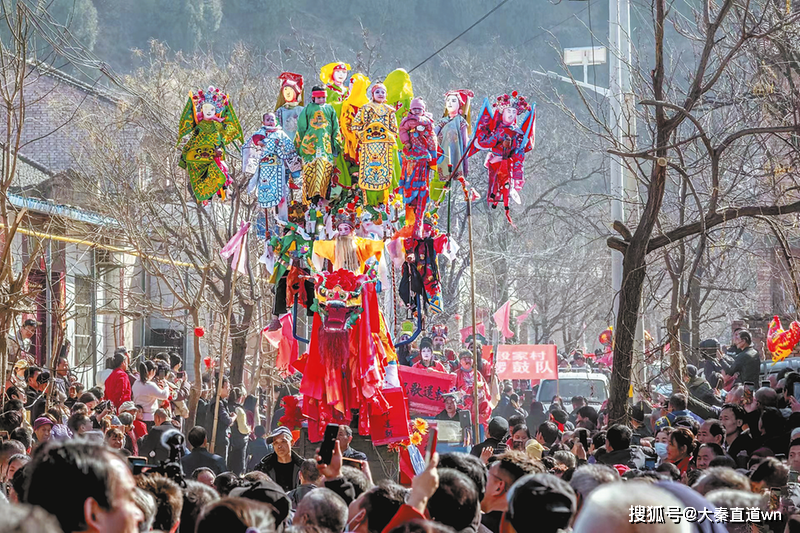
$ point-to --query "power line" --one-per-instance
(457, 37)
(559, 23)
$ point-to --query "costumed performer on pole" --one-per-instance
(452, 131)
(418, 156)
(277, 163)
(287, 258)
(318, 141)
(210, 118)
(507, 141)
(376, 125)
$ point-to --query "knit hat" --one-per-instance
(42, 421)
(534, 449)
(127, 406)
(691, 370)
(280, 430)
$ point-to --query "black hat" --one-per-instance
(560, 416)
(541, 499)
(426, 342)
(637, 413)
(708, 348)
(266, 491)
(691, 370)
(498, 427)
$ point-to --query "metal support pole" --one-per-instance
(476, 420)
(617, 177)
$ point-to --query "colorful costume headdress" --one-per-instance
(465, 99)
(295, 81)
(439, 330)
(375, 86)
(517, 102)
(326, 72)
(213, 96)
(343, 216)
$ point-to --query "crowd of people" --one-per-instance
(113, 458)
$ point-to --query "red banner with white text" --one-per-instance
(424, 389)
(526, 361)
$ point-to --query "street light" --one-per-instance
(585, 55)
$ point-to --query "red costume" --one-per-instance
(350, 357)
(437, 366)
(464, 383)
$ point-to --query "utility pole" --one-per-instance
(624, 187)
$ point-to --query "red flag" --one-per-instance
(467, 331)
(284, 341)
(524, 316)
(501, 318)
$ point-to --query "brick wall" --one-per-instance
(51, 100)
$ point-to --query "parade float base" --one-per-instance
(383, 463)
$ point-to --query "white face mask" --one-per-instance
(661, 449)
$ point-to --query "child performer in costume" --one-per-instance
(419, 154)
(278, 163)
(333, 75)
(465, 381)
(347, 251)
(507, 144)
(439, 335)
(420, 270)
(426, 358)
(376, 124)
(291, 253)
(452, 131)
(210, 118)
(318, 140)
(290, 102)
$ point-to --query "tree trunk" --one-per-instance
(634, 267)
(239, 345)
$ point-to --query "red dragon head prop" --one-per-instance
(339, 298)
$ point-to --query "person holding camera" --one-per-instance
(148, 391)
(152, 445)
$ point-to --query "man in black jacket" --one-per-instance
(283, 465)
(498, 430)
(737, 441)
(618, 447)
(746, 362)
(699, 388)
(200, 456)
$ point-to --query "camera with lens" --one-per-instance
(172, 467)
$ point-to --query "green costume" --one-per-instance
(203, 155)
(318, 141)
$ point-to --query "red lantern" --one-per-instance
(199, 332)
